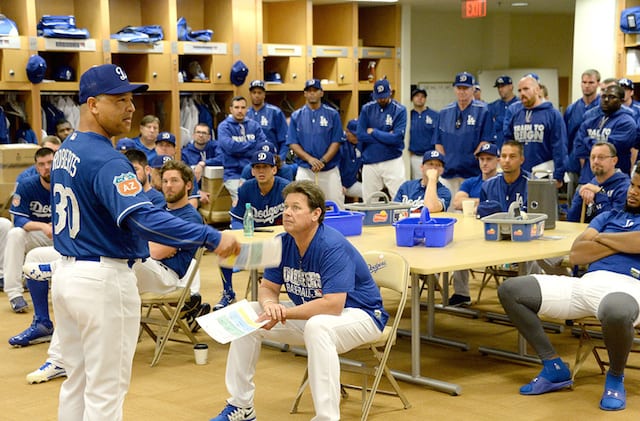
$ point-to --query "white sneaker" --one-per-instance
(46, 372)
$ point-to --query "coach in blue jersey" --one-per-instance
(238, 137)
(334, 306)
(424, 121)
(427, 190)
(511, 184)
(381, 127)
(202, 151)
(102, 222)
(611, 123)
(351, 162)
(498, 108)
(271, 118)
(575, 113)
(465, 125)
(149, 129)
(606, 191)
(315, 134)
(143, 172)
(31, 210)
(607, 291)
(539, 127)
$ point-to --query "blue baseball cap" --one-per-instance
(256, 84)
(166, 137)
(239, 72)
(125, 144)
(488, 148)
(503, 80)
(533, 76)
(431, 155)
(64, 73)
(263, 157)
(8, 28)
(159, 160)
(106, 79)
(464, 79)
(266, 146)
(313, 83)
(381, 89)
(626, 83)
(352, 125)
(273, 77)
(36, 68)
(418, 91)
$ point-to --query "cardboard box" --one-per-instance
(15, 158)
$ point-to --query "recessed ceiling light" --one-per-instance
(520, 4)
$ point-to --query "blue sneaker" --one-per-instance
(46, 372)
(37, 333)
(233, 413)
(37, 271)
(226, 299)
(18, 304)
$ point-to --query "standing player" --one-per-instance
(498, 108)
(270, 118)
(31, 210)
(102, 224)
(465, 125)
(424, 121)
(351, 162)
(381, 127)
(315, 134)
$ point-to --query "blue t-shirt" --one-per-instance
(315, 131)
(93, 189)
(267, 209)
(497, 189)
(423, 128)
(31, 202)
(389, 124)
(180, 261)
(413, 191)
(274, 125)
(474, 126)
(331, 264)
(616, 221)
(151, 153)
(29, 172)
(613, 196)
(472, 186)
(350, 163)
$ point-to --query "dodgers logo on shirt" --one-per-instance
(127, 184)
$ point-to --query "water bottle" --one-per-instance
(247, 221)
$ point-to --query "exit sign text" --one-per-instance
(474, 9)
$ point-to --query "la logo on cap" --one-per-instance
(380, 88)
(486, 146)
(262, 156)
(166, 135)
(463, 78)
(500, 80)
(120, 72)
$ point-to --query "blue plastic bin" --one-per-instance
(348, 223)
(435, 232)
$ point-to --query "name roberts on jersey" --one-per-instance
(66, 160)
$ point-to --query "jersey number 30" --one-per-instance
(67, 210)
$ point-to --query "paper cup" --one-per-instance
(201, 352)
(469, 207)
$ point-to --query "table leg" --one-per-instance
(253, 274)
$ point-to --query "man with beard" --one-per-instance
(31, 210)
(202, 151)
(611, 247)
(270, 117)
(143, 172)
(606, 191)
(539, 127)
(612, 123)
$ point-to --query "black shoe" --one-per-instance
(205, 308)
(191, 307)
(458, 300)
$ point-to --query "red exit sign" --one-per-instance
(474, 9)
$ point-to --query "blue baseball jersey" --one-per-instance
(180, 261)
(574, 116)
(472, 186)
(211, 154)
(422, 130)
(389, 124)
(94, 188)
(497, 189)
(267, 209)
(151, 153)
(31, 202)
(616, 221)
(238, 142)
(543, 133)
(350, 163)
(286, 171)
(274, 125)
(156, 198)
(497, 110)
(612, 196)
(412, 192)
(475, 126)
(315, 131)
(618, 128)
(29, 172)
(331, 264)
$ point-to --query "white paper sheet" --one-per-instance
(231, 322)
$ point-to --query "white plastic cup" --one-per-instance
(201, 353)
(469, 207)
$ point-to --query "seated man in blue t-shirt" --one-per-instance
(427, 191)
(610, 246)
(333, 306)
(470, 188)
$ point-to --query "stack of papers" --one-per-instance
(231, 322)
(256, 255)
